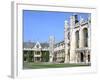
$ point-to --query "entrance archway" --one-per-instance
(82, 56)
(88, 58)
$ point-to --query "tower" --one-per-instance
(73, 21)
(66, 39)
(51, 48)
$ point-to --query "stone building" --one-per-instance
(75, 48)
(77, 40)
(59, 52)
(36, 52)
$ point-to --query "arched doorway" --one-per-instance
(81, 57)
(77, 39)
(88, 58)
(85, 37)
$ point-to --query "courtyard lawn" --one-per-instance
(31, 65)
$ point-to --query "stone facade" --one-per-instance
(77, 35)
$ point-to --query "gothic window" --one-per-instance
(85, 37)
(77, 39)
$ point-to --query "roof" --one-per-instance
(44, 45)
(32, 44)
(59, 43)
(28, 44)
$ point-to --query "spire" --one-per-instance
(51, 42)
(66, 24)
(73, 20)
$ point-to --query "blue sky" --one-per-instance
(39, 25)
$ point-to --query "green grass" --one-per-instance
(32, 65)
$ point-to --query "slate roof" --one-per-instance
(28, 44)
(44, 45)
(59, 43)
(32, 44)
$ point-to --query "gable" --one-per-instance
(37, 45)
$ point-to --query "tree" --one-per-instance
(45, 56)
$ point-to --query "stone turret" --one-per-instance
(73, 20)
(66, 31)
(51, 48)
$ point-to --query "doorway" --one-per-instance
(82, 57)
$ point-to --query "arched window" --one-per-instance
(85, 37)
(77, 39)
